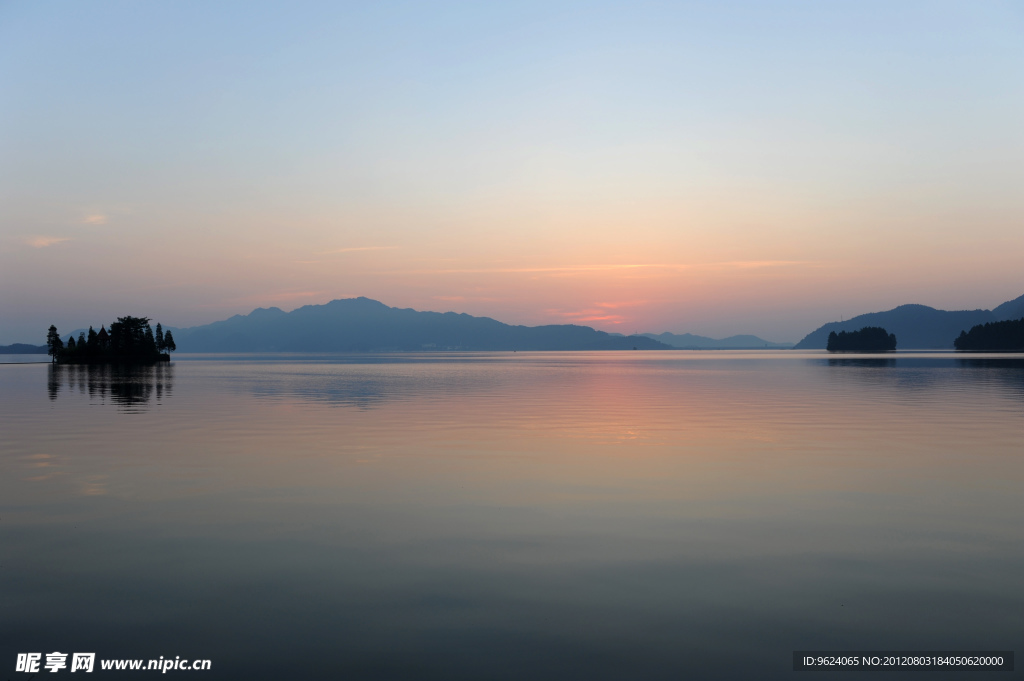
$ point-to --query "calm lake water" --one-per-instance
(629, 515)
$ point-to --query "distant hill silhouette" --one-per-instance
(688, 341)
(22, 349)
(1011, 309)
(917, 326)
(364, 325)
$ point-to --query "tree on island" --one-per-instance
(164, 341)
(54, 345)
(1006, 336)
(130, 341)
(132, 336)
(868, 339)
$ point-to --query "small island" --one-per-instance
(1006, 336)
(868, 339)
(131, 340)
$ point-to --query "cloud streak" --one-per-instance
(677, 267)
(358, 248)
(45, 241)
(286, 296)
(463, 299)
(588, 315)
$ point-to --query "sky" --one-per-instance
(710, 168)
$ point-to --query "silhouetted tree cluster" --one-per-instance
(994, 336)
(868, 339)
(130, 340)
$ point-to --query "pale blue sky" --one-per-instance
(714, 168)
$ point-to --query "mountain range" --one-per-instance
(917, 326)
(364, 325)
(22, 349)
(688, 341)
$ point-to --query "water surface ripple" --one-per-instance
(624, 515)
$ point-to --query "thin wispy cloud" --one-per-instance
(623, 303)
(589, 315)
(609, 318)
(95, 219)
(752, 264)
(463, 299)
(543, 270)
(354, 249)
(286, 296)
(45, 241)
(677, 267)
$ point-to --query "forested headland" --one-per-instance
(868, 339)
(130, 340)
(1006, 336)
